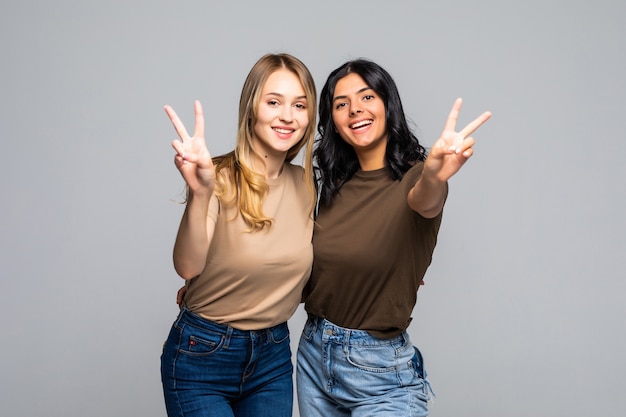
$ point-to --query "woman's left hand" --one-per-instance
(453, 148)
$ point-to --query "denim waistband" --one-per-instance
(354, 337)
(338, 334)
(193, 319)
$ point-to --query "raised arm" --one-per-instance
(193, 160)
(445, 159)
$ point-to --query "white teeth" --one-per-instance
(284, 131)
(361, 124)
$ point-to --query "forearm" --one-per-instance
(193, 240)
(428, 196)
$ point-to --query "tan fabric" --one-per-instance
(255, 280)
(371, 252)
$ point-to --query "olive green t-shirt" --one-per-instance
(371, 251)
(254, 280)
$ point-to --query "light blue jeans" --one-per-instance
(345, 372)
(209, 369)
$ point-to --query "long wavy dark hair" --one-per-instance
(336, 161)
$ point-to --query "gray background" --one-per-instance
(522, 313)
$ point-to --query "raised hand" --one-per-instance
(193, 159)
(453, 148)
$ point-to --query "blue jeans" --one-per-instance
(345, 372)
(210, 369)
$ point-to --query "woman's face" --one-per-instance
(359, 117)
(282, 116)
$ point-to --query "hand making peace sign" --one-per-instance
(453, 148)
(193, 159)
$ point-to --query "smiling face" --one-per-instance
(360, 119)
(282, 116)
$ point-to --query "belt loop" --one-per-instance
(182, 311)
(314, 320)
(229, 333)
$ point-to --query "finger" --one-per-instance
(184, 157)
(461, 145)
(454, 115)
(178, 124)
(466, 145)
(475, 124)
(178, 147)
(199, 130)
(468, 153)
(178, 161)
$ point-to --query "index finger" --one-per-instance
(454, 115)
(475, 124)
(199, 129)
(178, 124)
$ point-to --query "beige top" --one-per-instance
(254, 280)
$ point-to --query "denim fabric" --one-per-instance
(209, 369)
(345, 372)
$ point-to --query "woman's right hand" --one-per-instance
(193, 159)
(180, 296)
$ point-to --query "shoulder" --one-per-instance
(289, 167)
(416, 169)
(413, 173)
(295, 172)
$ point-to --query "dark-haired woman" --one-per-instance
(380, 208)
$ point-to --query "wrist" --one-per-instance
(201, 193)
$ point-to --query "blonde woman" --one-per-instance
(244, 249)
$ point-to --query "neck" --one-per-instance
(370, 161)
(269, 165)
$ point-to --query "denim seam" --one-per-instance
(174, 361)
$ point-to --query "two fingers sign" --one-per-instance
(460, 142)
(192, 156)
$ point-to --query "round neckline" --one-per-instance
(374, 173)
(278, 180)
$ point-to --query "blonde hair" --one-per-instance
(236, 181)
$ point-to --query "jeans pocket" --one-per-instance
(279, 334)
(417, 364)
(377, 359)
(200, 343)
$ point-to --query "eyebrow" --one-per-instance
(282, 95)
(358, 92)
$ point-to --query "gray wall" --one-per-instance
(522, 312)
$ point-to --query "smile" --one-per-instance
(361, 123)
(283, 131)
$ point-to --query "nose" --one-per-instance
(355, 109)
(286, 115)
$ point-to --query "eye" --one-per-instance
(340, 105)
(368, 97)
(300, 106)
(272, 103)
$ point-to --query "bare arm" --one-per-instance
(194, 162)
(445, 159)
(193, 238)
